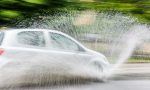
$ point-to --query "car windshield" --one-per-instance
(31, 38)
(61, 42)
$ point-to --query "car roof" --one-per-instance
(43, 30)
(30, 29)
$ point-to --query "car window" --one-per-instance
(1, 37)
(61, 42)
(31, 38)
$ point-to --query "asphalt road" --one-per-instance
(129, 77)
(136, 71)
(111, 85)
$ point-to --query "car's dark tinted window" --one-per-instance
(32, 38)
(1, 37)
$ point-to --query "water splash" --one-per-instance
(113, 34)
(128, 43)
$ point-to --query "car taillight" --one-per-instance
(1, 51)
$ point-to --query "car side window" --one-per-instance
(31, 38)
(1, 37)
(61, 42)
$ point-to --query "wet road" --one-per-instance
(129, 77)
(111, 85)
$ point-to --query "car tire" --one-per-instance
(99, 67)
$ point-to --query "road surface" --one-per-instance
(111, 85)
(133, 72)
(128, 77)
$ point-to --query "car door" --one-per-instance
(67, 50)
(27, 45)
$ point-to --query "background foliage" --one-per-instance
(10, 9)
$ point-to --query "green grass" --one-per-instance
(138, 60)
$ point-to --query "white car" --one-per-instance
(36, 55)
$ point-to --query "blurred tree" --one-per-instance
(12, 8)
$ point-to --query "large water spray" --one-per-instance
(135, 37)
(113, 34)
(110, 33)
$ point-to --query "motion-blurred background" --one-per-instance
(99, 19)
(10, 9)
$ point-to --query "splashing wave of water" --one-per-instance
(115, 35)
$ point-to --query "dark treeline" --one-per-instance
(10, 9)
